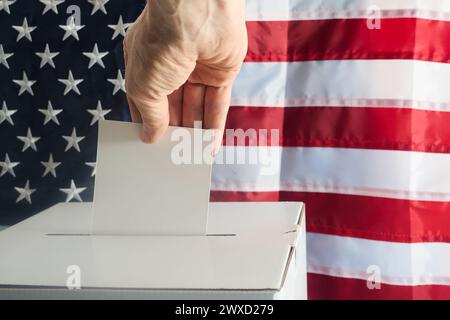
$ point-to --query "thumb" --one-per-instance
(153, 71)
(148, 84)
(152, 112)
(155, 119)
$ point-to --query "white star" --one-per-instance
(73, 192)
(99, 113)
(119, 83)
(98, 5)
(93, 165)
(71, 29)
(6, 114)
(73, 140)
(119, 28)
(4, 5)
(47, 57)
(4, 56)
(25, 84)
(29, 141)
(71, 83)
(24, 30)
(8, 166)
(50, 114)
(25, 193)
(50, 166)
(95, 57)
(51, 5)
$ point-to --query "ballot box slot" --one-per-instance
(138, 235)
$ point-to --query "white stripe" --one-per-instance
(381, 173)
(333, 9)
(404, 83)
(398, 263)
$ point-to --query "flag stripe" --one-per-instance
(366, 89)
(368, 128)
(382, 173)
(409, 263)
(407, 38)
(382, 219)
(325, 9)
(399, 83)
(356, 289)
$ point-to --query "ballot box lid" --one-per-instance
(248, 246)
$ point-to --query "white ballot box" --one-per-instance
(152, 234)
(250, 251)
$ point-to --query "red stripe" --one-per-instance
(337, 39)
(361, 216)
(347, 127)
(321, 287)
(368, 128)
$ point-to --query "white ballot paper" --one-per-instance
(143, 189)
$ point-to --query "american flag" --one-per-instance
(61, 70)
(363, 116)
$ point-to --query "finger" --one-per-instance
(176, 107)
(155, 119)
(193, 101)
(153, 114)
(134, 113)
(217, 104)
(152, 74)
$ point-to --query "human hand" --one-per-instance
(181, 58)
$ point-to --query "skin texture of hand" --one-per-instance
(181, 59)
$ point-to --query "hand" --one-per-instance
(181, 58)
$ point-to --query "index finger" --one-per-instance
(217, 104)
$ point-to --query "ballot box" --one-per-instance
(151, 232)
(250, 251)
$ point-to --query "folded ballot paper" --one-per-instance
(151, 234)
(143, 189)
